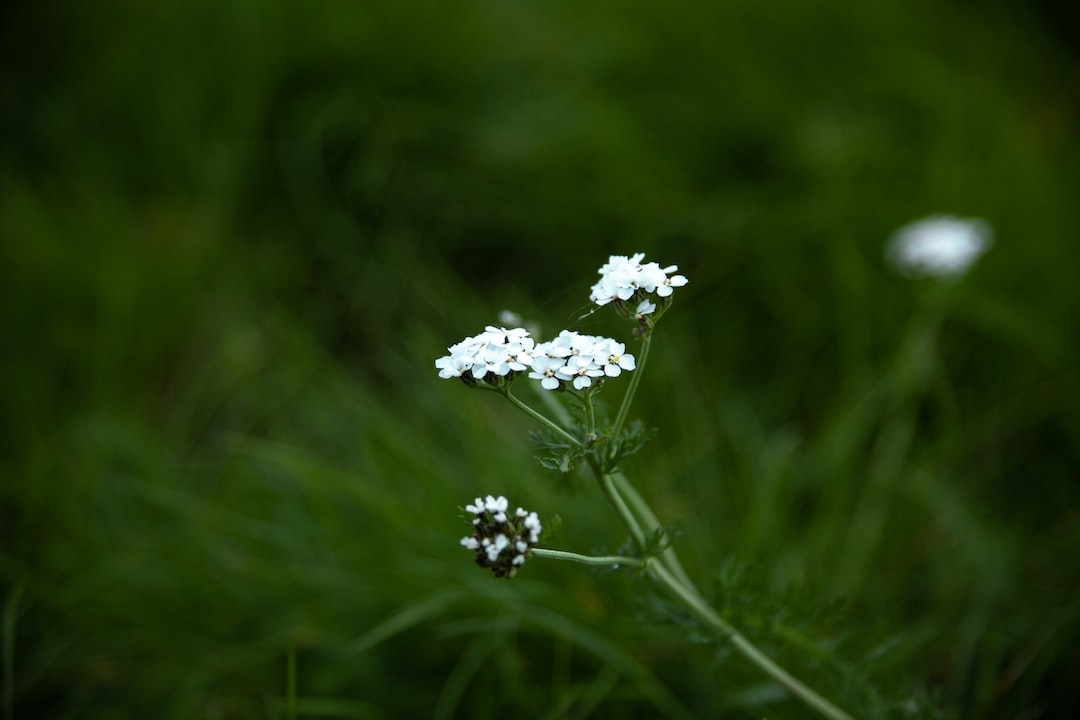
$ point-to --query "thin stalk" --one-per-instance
(682, 588)
(554, 406)
(645, 515)
(590, 416)
(635, 378)
(747, 649)
(606, 561)
(619, 504)
(543, 419)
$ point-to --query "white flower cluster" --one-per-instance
(623, 278)
(940, 246)
(496, 350)
(570, 358)
(576, 358)
(501, 541)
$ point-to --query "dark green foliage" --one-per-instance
(554, 453)
(235, 235)
(662, 538)
(631, 439)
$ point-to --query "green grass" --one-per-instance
(235, 236)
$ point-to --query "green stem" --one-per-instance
(646, 517)
(747, 649)
(619, 504)
(670, 574)
(590, 416)
(635, 378)
(611, 560)
(554, 407)
(543, 419)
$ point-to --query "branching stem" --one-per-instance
(670, 574)
(635, 378)
(642, 524)
(542, 419)
(696, 605)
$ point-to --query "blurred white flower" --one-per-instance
(939, 246)
(509, 317)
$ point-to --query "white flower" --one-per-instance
(617, 359)
(670, 282)
(453, 366)
(544, 369)
(497, 507)
(940, 246)
(532, 524)
(576, 358)
(495, 548)
(644, 308)
(623, 278)
(568, 344)
(499, 542)
(582, 370)
(497, 352)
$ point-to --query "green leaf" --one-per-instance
(661, 538)
(556, 454)
(630, 440)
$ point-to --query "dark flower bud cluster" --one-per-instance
(501, 540)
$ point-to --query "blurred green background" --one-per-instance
(236, 235)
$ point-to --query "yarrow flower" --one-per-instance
(493, 354)
(627, 279)
(498, 355)
(578, 359)
(501, 540)
(940, 246)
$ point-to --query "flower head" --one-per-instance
(626, 279)
(501, 540)
(577, 359)
(939, 246)
(495, 355)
